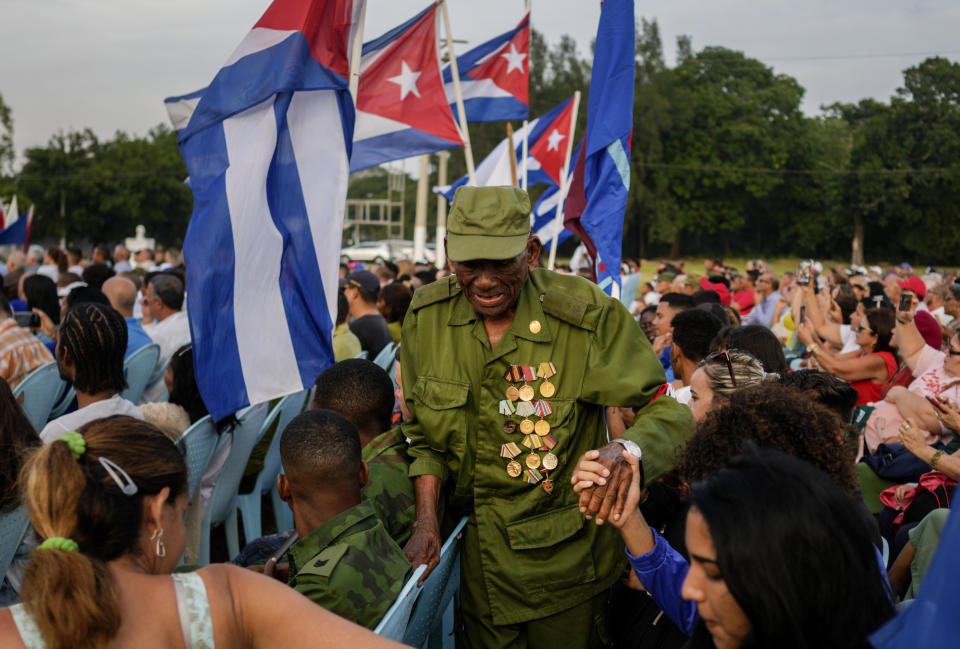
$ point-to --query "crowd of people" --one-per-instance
(724, 459)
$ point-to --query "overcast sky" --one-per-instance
(108, 65)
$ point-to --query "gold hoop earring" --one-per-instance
(160, 549)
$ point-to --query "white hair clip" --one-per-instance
(121, 477)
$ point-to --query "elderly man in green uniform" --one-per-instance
(344, 561)
(506, 372)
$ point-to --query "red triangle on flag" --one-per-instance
(509, 67)
(551, 148)
(404, 83)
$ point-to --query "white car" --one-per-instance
(386, 250)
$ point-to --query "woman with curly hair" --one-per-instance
(772, 416)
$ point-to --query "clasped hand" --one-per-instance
(608, 481)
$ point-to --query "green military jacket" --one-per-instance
(390, 487)
(538, 554)
(350, 566)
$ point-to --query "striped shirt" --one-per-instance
(20, 352)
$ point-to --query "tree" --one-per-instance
(7, 153)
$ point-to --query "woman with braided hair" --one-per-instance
(91, 343)
(110, 500)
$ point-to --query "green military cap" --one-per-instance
(488, 223)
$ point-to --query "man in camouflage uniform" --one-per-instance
(344, 560)
(506, 372)
(362, 392)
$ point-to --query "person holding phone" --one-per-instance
(866, 370)
(937, 376)
(20, 351)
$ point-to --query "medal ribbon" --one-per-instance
(546, 370)
(548, 443)
(532, 441)
(528, 373)
(533, 476)
(543, 408)
(507, 407)
(525, 409)
(510, 450)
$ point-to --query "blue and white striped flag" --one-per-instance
(267, 147)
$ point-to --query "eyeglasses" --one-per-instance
(953, 352)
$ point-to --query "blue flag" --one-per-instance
(267, 147)
(597, 200)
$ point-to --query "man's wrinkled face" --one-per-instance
(492, 286)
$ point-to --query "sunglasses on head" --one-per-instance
(863, 327)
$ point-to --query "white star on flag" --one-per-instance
(514, 59)
(407, 80)
(553, 140)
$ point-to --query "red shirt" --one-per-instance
(867, 390)
(746, 300)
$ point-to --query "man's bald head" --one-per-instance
(122, 294)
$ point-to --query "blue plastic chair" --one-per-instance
(426, 623)
(199, 441)
(222, 508)
(40, 390)
(394, 623)
(138, 369)
(385, 357)
(362, 355)
(157, 377)
(65, 399)
(13, 525)
(250, 504)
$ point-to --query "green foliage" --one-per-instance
(107, 188)
(6, 137)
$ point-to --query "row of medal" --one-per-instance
(536, 436)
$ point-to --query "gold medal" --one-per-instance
(549, 461)
(542, 427)
(527, 426)
(513, 393)
(535, 326)
(509, 426)
(514, 469)
(533, 460)
(547, 389)
(547, 486)
(526, 392)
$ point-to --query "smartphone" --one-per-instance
(906, 301)
(274, 559)
(803, 277)
(27, 319)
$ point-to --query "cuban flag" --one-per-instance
(494, 78)
(597, 199)
(402, 110)
(267, 147)
(543, 217)
(15, 228)
(547, 138)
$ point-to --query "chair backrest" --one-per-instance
(13, 525)
(385, 357)
(63, 401)
(245, 434)
(40, 390)
(394, 623)
(199, 440)
(629, 291)
(138, 369)
(362, 354)
(430, 605)
(286, 409)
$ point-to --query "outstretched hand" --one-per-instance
(603, 478)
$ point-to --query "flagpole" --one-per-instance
(513, 155)
(526, 130)
(455, 73)
(441, 260)
(356, 50)
(558, 221)
(420, 219)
